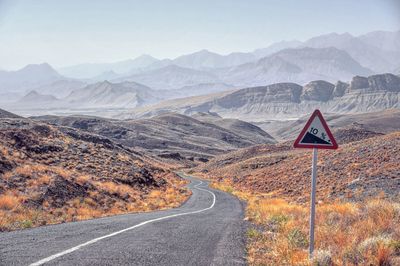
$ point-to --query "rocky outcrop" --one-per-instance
(387, 82)
(290, 101)
(318, 90)
(279, 92)
(384, 82)
(340, 89)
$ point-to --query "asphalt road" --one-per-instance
(207, 230)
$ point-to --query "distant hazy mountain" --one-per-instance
(202, 88)
(378, 51)
(112, 95)
(172, 77)
(9, 97)
(88, 71)
(298, 65)
(36, 100)
(60, 88)
(205, 59)
(367, 49)
(329, 57)
(384, 40)
(276, 47)
(108, 75)
(27, 78)
(290, 100)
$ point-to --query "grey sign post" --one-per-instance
(315, 135)
(312, 208)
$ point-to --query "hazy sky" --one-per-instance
(76, 31)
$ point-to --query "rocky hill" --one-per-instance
(359, 169)
(6, 114)
(380, 122)
(51, 174)
(172, 137)
(283, 101)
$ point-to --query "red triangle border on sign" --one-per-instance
(297, 143)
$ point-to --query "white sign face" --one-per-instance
(316, 134)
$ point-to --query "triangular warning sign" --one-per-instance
(316, 134)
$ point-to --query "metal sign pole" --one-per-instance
(313, 190)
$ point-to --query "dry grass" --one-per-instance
(364, 233)
(8, 202)
(103, 198)
(49, 177)
(357, 170)
(82, 179)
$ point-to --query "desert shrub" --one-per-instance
(297, 239)
(322, 258)
(8, 202)
(26, 224)
(253, 233)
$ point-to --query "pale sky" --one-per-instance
(77, 31)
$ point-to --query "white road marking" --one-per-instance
(52, 257)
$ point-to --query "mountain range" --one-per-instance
(378, 51)
(146, 80)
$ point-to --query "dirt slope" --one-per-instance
(51, 174)
(358, 169)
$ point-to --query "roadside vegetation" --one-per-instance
(50, 195)
(347, 233)
(49, 177)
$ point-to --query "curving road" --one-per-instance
(207, 230)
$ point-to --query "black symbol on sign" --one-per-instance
(314, 131)
(323, 135)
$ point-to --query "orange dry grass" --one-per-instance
(82, 179)
(84, 213)
(112, 187)
(8, 202)
(15, 215)
(365, 233)
(41, 180)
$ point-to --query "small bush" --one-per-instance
(322, 258)
(26, 224)
(297, 239)
(253, 233)
(279, 219)
(8, 202)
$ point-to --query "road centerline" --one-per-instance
(70, 250)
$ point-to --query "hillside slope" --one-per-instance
(359, 169)
(172, 136)
(380, 122)
(52, 174)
